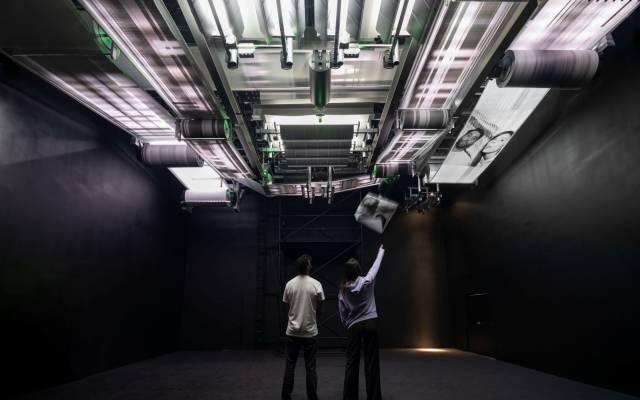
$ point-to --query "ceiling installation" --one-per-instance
(312, 97)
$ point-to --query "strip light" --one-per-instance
(312, 119)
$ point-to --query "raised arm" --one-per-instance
(373, 271)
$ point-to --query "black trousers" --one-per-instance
(310, 347)
(363, 335)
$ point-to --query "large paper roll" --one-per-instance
(169, 156)
(424, 119)
(562, 69)
(203, 128)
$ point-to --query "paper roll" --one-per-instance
(424, 119)
(169, 156)
(203, 128)
(561, 69)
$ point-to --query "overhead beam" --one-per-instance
(175, 31)
(307, 109)
(216, 71)
(387, 118)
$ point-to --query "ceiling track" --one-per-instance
(213, 66)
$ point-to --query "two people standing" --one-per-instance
(357, 306)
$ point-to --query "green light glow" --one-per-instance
(227, 128)
(104, 41)
(267, 177)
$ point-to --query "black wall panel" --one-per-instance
(91, 253)
(226, 251)
(555, 239)
(220, 280)
(411, 290)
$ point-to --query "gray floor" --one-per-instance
(406, 374)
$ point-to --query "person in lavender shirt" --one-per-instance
(357, 305)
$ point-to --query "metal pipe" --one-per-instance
(329, 184)
(286, 59)
(336, 38)
(232, 57)
(309, 14)
(400, 20)
(391, 58)
(218, 24)
(309, 193)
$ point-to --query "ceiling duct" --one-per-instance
(164, 155)
(560, 69)
(424, 119)
(203, 128)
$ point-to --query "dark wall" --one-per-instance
(236, 271)
(411, 290)
(220, 280)
(91, 255)
(554, 240)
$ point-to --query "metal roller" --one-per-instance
(561, 69)
(203, 128)
(320, 80)
(206, 197)
(169, 156)
(385, 170)
(424, 119)
(286, 56)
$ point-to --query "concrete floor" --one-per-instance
(406, 374)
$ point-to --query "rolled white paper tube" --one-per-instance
(555, 69)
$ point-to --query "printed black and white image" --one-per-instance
(498, 115)
(375, 212)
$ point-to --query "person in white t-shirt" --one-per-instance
(304, 295)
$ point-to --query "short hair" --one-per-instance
(303, 263)
(351, 270)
